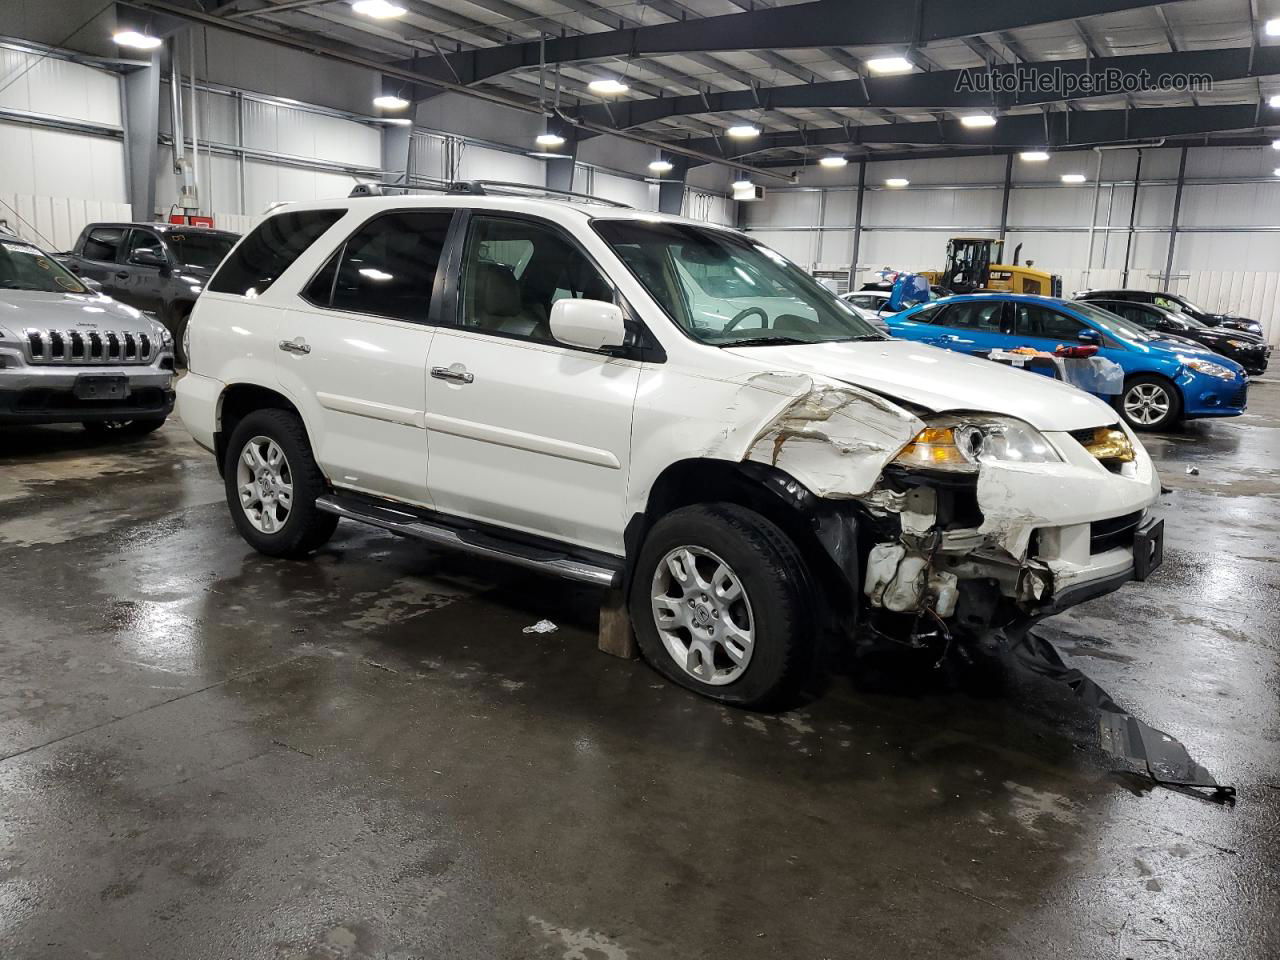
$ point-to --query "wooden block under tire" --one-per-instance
(616, 637)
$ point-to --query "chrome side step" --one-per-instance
(402, 521)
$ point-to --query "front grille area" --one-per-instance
(88, 347)
(1106, 535)
(1239, 398)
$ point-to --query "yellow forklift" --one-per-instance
(977, 263)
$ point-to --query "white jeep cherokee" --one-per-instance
(657, 406)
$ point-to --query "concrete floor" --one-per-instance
(208, 754)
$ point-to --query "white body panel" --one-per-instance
(539, 441)
(362, 391)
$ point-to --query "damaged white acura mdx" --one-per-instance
(659, 407)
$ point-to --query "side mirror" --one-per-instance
(593, 324)
(1090, 336)
(89, 282)
(148, 257)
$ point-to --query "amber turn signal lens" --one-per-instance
(935, 448)
(1111, 444)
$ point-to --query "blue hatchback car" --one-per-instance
(1165, 381)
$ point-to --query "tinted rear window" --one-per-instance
(270, 249)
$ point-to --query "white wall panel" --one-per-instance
(301, 133)
(484, 163)
(58, 88)
(634, 193)
(54, 223)
(55, 163)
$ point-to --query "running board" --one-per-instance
(557, 563)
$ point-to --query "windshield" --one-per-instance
(200, 249)
(725, 290)
(24, 267)
(1113, 323)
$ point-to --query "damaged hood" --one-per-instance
(941, 381)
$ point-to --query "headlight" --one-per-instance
(163, 333)
(960, 444)
(1238, 344)
(1209, 368)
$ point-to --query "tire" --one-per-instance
(300, 527)
(179, 329)
(777, 606)
(124, 428)
(1156, 414)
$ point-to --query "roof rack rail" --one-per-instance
(481, 188)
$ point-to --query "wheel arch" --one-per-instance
(236, 402)
(825, 531)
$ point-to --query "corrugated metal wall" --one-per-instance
(1226, 253)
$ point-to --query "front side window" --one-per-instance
(725, 290)
(142, 239)
(1113, 324)
(1033, 320)
(270, 249)
(387, 268)
(513, 271)
(24, 267)
(103, 243)
(200, 249)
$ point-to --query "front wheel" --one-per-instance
(1150, 403)
(722, 603)
(272, 482)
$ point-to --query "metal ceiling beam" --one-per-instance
(938, 90)
(400, 73)
(817, 24)
(1027, 131)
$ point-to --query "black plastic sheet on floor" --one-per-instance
(1142, 747)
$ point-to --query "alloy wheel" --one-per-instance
(265, 484)
(1147, 403)
(703, 615)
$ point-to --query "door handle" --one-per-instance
(454, 376)
(297, 345)
(121, 275)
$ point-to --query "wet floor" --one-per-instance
(208, 754)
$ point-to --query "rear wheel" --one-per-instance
(722, 604)
(180, 337)
(272, 482)
(1150, 403)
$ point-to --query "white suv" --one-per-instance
(657, 406)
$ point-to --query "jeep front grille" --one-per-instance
(88, 347)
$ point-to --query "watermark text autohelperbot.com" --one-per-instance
(1106, 81)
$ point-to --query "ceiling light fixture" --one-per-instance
(662, 166)
(889, 64)
(741, 186)
(1273, 28)
(1275, 144)
(1073, 178)
(743, 131)
(1034, 156)
(378, 9)
(389, 101)
(398, 121)
(608, 88)
(549, 140)
(897, 182)
(977, 120)
(1276, 172)
(136, 40)
(1274, 102)
(833, 163)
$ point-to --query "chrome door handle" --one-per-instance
(455, 376)
(295, 346)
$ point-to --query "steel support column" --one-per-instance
(857, 224)
(671, 189)
(1177, 210)
(141, 94)
(1004, 200)
(1133, 215)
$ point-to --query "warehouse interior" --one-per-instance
(394, 748)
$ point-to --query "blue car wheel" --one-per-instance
(1150, 403)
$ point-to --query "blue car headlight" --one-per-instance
(1209, 368)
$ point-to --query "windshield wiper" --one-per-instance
(768, 342)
